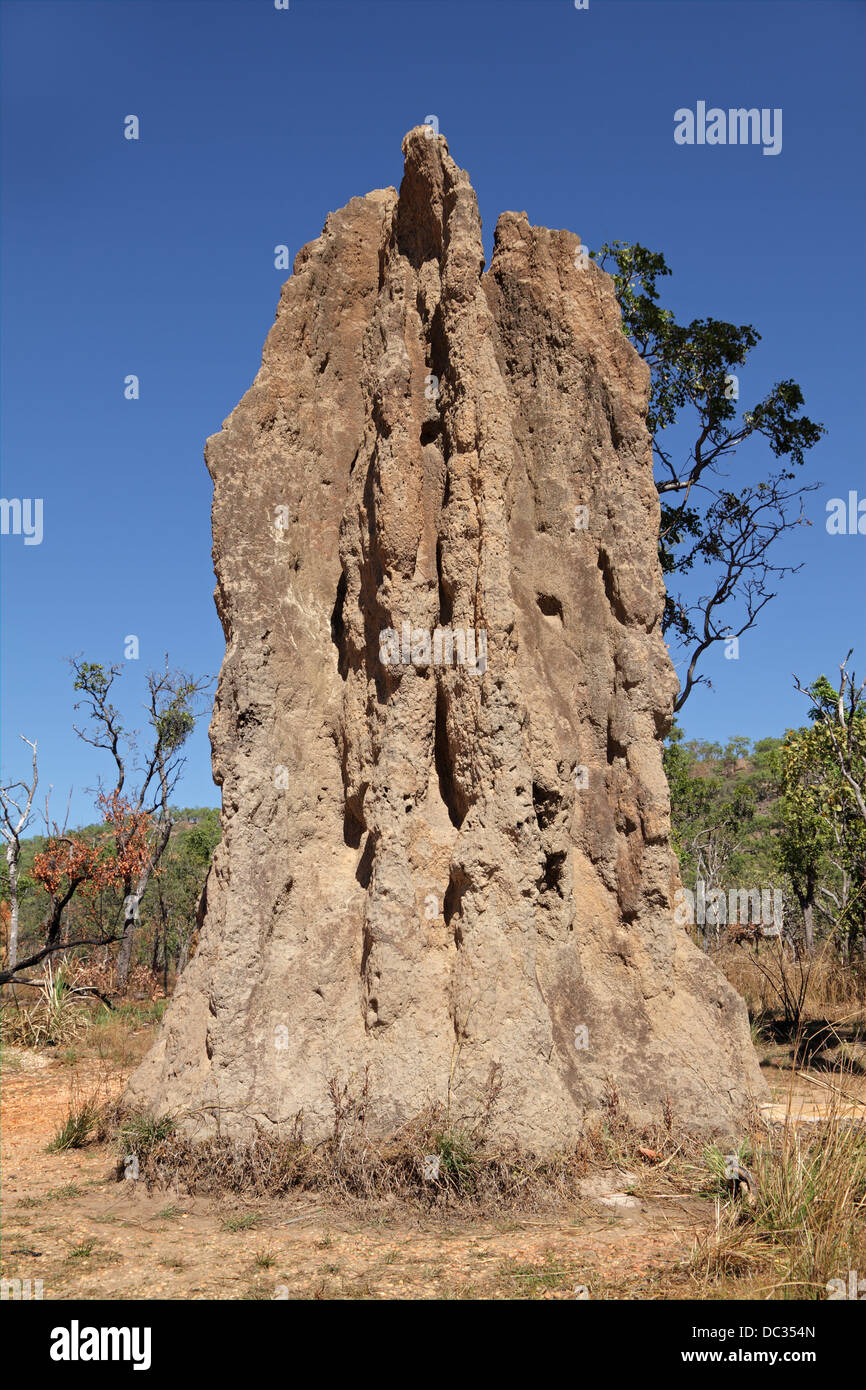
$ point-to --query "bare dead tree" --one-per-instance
(741, 529)
(693, 369)
(6, 976)
(172, 712)
(14, 820)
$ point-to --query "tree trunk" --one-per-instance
(131, 920)
(131, 904)
(12, 861)
(806, 898)
(809, 927)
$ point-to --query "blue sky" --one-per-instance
(156, 258)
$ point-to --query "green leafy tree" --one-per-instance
(712, 810)
(823, 837)
(724, 816)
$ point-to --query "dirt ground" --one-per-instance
(69, 1222)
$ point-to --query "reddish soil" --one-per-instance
(70, 1223)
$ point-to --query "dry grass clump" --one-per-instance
(59, 1013)
(775, 984)
(806, 1222)
(432, 1161)
(92, 1116)
(99, 972)
(55, 1015)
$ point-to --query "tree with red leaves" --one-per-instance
(122, 856)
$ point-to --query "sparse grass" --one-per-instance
(77, 1129)
(82, 1251)
(116, 1033)
(716, 1162)
(168, 1212)
(807, 1224)
(265, 1259)
(89, 1117)
(139, 1134)
(533, 1281)
(456, 1159)
(248, 1221)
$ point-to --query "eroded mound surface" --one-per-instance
(445, 873)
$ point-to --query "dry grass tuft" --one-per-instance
(431, 1163)
(775, 986)
(807, 1224)
(92, 1116)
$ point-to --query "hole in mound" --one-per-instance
(338, 627)
(550, 606)
(552, 878)
(364, 870)
(442, 762)
(546, 803)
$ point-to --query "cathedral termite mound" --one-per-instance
(445, 869)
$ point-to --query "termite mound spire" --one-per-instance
(448, 875)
